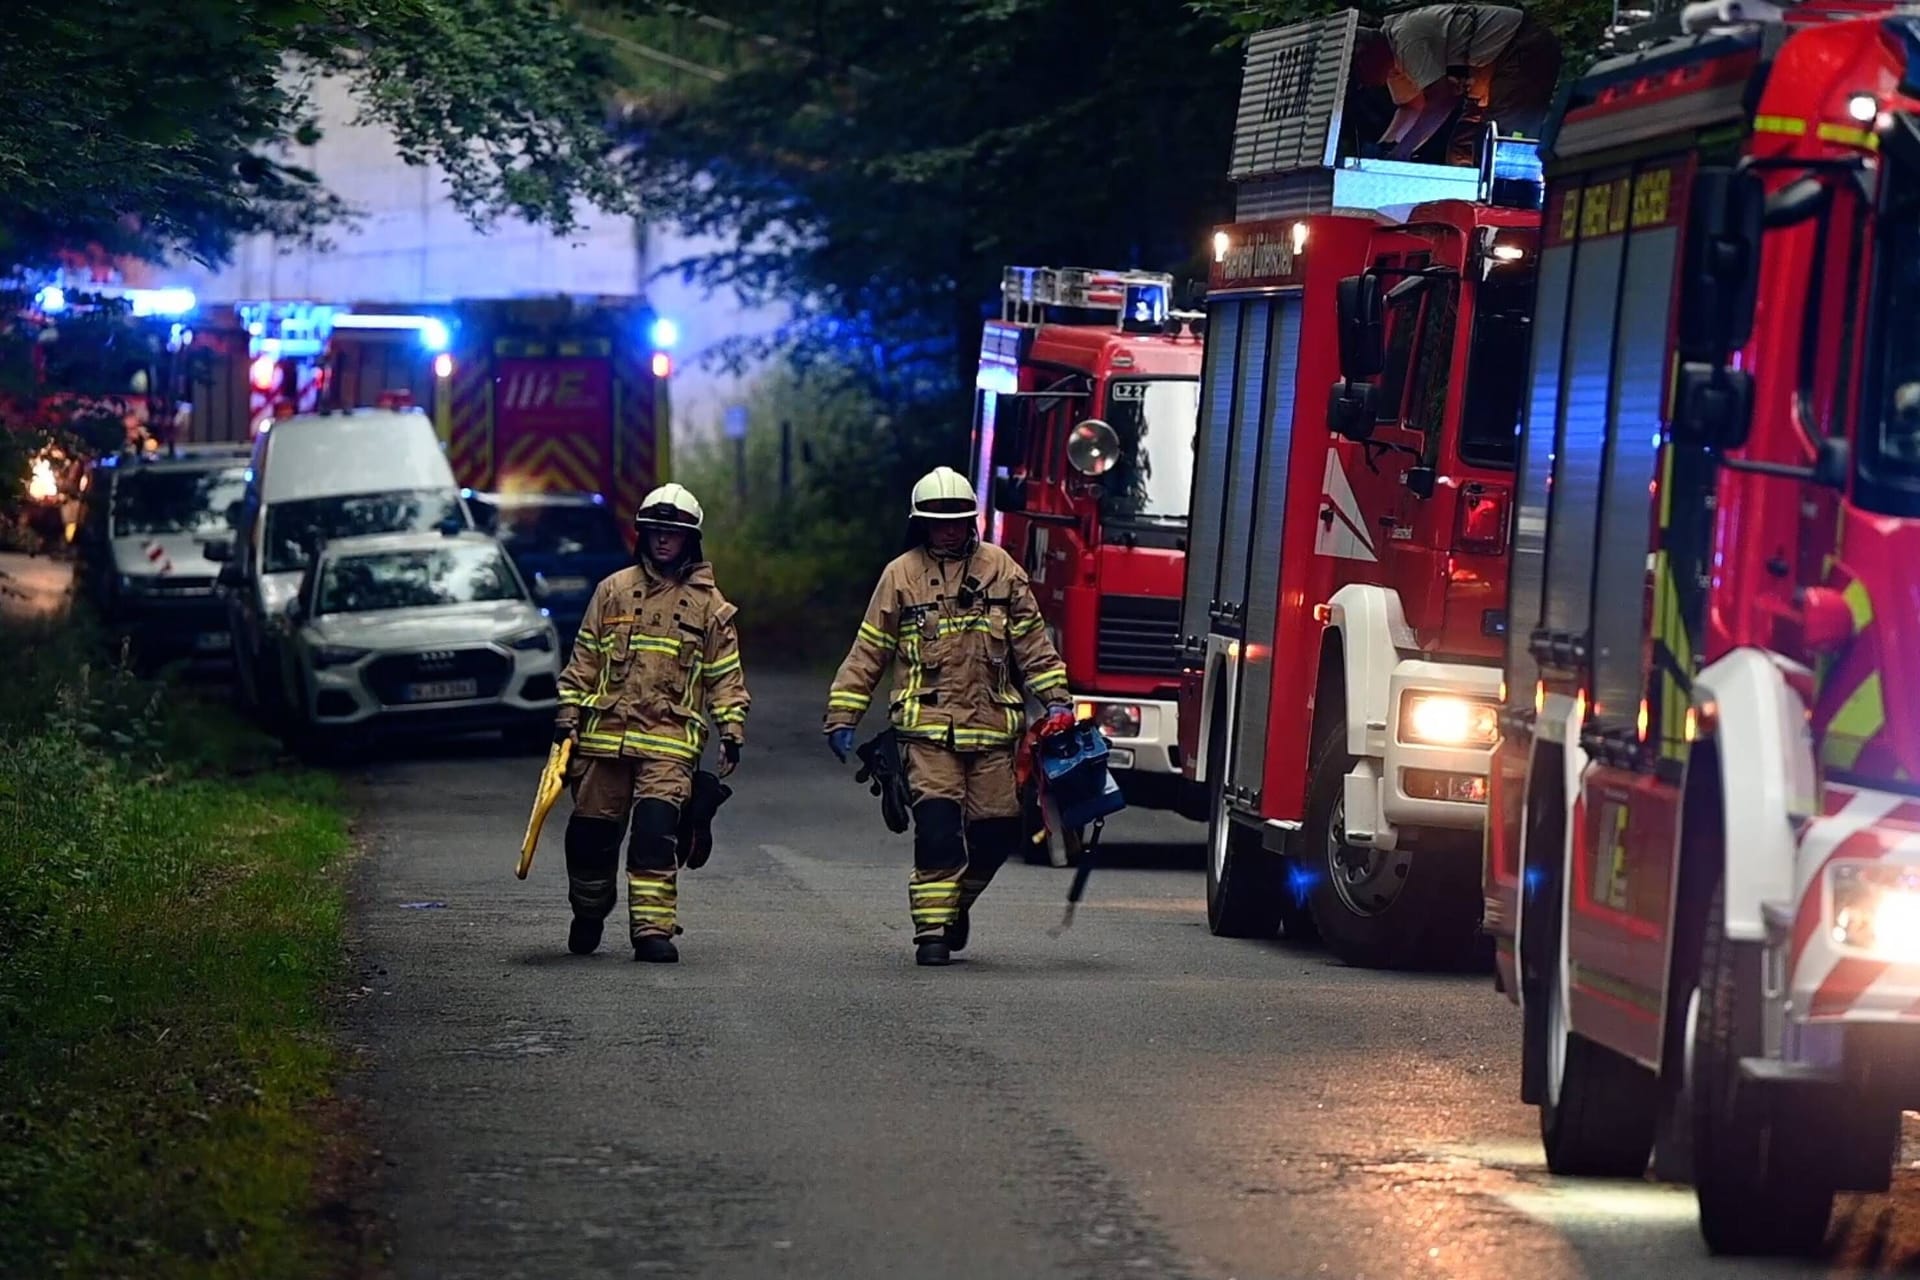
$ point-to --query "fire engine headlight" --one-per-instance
(1448, 720)
(1115, 719)
(1876, 907)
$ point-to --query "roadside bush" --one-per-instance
(168, 934)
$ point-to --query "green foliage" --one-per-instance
(167, 934)
(881, 163)
(801, 562)
(152, 129)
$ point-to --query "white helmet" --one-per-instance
(669, 507)
(944, 494)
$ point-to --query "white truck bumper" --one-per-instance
(1423, 784)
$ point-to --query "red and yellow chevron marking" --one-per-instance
(536, 464)
(469, 430)
(636, 459)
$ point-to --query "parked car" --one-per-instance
(563, 543)
(146, 521)
(419, 632)
(313, 478)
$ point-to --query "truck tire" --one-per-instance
(1381, 909)
(1757, 1193)
(1598, 1116)
(1246, 885)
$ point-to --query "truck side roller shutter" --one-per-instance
(1261, 651)
(1250, 381)
(1210, 473)
(1527, 574)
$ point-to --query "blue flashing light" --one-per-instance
(1146, 306)
(1517, 158)
(664, 334)
(545, 612)
(1533, 878)
(249, 476)
(434, 335)
(51, 300)
(162, 302)
(466, 493)
(599, 500)
(110, 461)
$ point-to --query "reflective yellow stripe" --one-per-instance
(574, 698)
(654, 644)
(875, 636)
(726, 666)
(1028, 627)
(1860, 603)
(1787, 125)
(608, 743)
(848, 701)
(679, 748)
(729, 715)
(1858, 722)
(1849, 135)
(1047, 680)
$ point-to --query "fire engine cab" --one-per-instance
(1083, 450)
(1705, 865)
(1343, 613)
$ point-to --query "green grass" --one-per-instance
(171, 914)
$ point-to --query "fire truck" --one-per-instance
(1083, 449)
(1704, 868)
(530, 395)
(1344, 605)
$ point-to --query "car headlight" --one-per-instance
(1875, 907)
(1448, 720)
(337, 655)
(540, 638)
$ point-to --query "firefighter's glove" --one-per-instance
(562, 733)
(729, 756)
(840, 742)
(1059, 716)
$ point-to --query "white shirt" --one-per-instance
(1428, 41)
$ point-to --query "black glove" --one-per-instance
(729, 756)
(562, 733)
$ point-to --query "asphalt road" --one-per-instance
(795, 1099)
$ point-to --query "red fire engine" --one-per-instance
(1083, 448)
(530, 394)
(1705, 866)
(1343, 614)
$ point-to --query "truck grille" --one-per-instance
(1139, 636)
(388, 677)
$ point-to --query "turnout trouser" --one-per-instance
(966, 820)
(606, 792)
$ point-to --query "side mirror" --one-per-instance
(1796, 202)
(1714, 407)
(1363, 327)
(1421, 481)
(220, 551)
(1010, 493)
(1352, 409)
(1720, 277)
(1832, 463)
(236, 511)
(1093, 448)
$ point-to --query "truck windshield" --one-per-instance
(1890, 423)
(176, 500)
(1155, 421)
(292, 525)
(415, 580)
(1496, 377)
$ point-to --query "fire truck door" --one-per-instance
(1206, 524)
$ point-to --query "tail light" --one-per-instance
(1482, 522)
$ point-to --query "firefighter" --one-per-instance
(657, 643)
(956, 620)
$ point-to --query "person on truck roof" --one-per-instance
(1484, 61)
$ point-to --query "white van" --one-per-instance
(313, 478)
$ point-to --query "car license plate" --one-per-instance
(1119, 757)
(213, 642)
(566, 586)
(443, 690)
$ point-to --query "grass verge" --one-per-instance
(171, 917)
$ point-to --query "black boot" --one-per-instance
(583, 936)
(933, 951)
(655, 950)
(959, 931)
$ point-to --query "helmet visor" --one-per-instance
(664, 515)
(945, 509)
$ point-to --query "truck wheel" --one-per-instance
(1597, 1119)
(1755, 1195)
(1246, 888)
(1381, 908)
